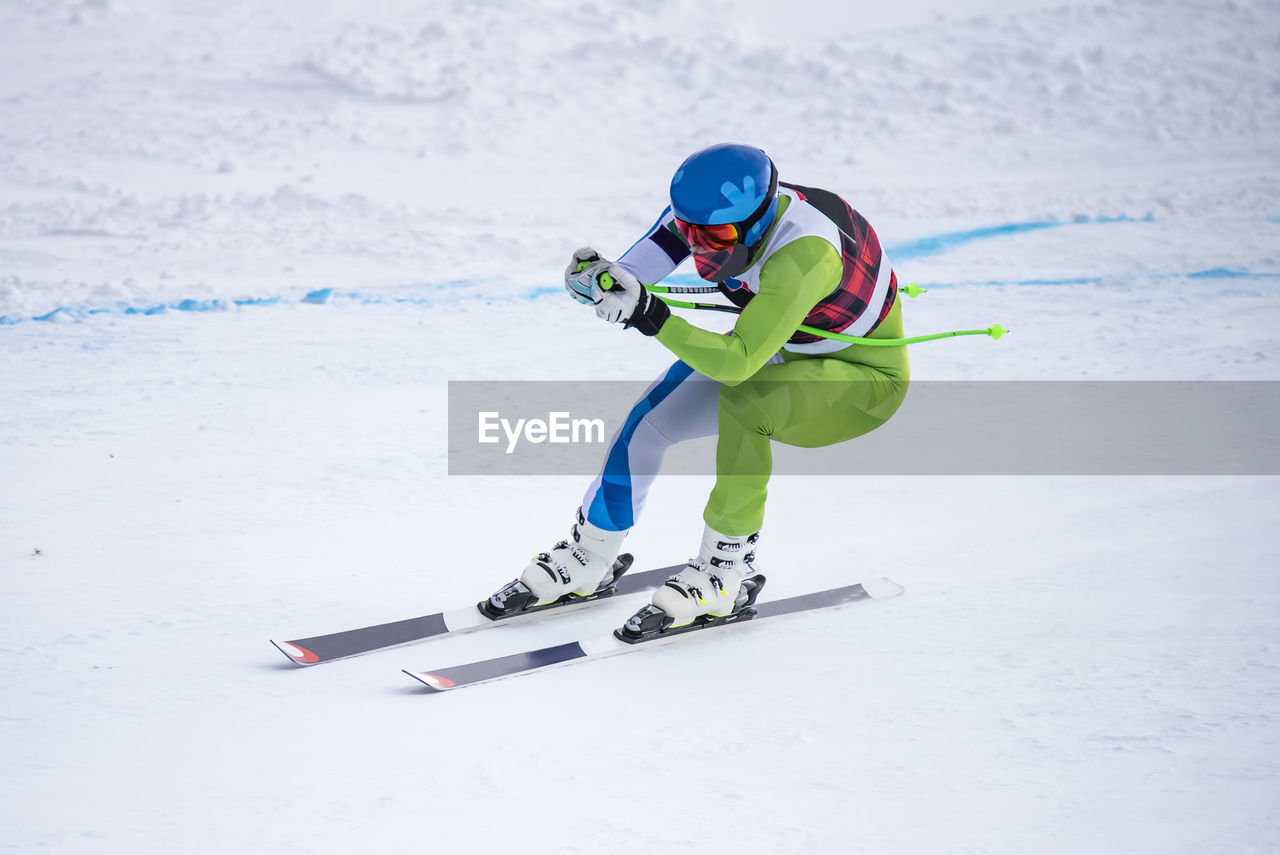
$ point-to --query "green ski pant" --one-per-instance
(808, 401)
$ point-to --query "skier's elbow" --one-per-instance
(734, 374)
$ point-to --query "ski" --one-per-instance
(353, 642)
(470, 674)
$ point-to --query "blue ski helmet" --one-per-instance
(724, 199)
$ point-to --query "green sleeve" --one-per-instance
(792, 282)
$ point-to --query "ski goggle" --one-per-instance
(703, 238)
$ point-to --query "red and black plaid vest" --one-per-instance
(860, 252)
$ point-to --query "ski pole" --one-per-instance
(912, 290)
(995, 330)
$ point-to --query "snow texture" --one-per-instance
(243, 246)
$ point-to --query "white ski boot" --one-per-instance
(576, 566)
(718, 583)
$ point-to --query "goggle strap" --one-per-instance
(758, 214)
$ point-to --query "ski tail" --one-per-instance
(355, 642)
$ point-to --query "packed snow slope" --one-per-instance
(244, 246)
(243, 150)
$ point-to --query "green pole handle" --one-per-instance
(912, 290)
(604, 280)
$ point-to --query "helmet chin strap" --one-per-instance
(735, 261)
(723, 265)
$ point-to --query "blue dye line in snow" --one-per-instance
(1214, 273)
(324, 295)
(75, 313)
(938, 244)
(215, 305)
(919, 248)
(550, 290)
(1224, 273)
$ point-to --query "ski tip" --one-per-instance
(295, 653)
(433, 682)
(881, 588)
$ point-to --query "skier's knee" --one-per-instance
(745, 405)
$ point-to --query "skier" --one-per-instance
(787, 255)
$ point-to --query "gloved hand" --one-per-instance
(616, 293)
(619, 296)
(580, 275)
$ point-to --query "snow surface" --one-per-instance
(243, 247)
